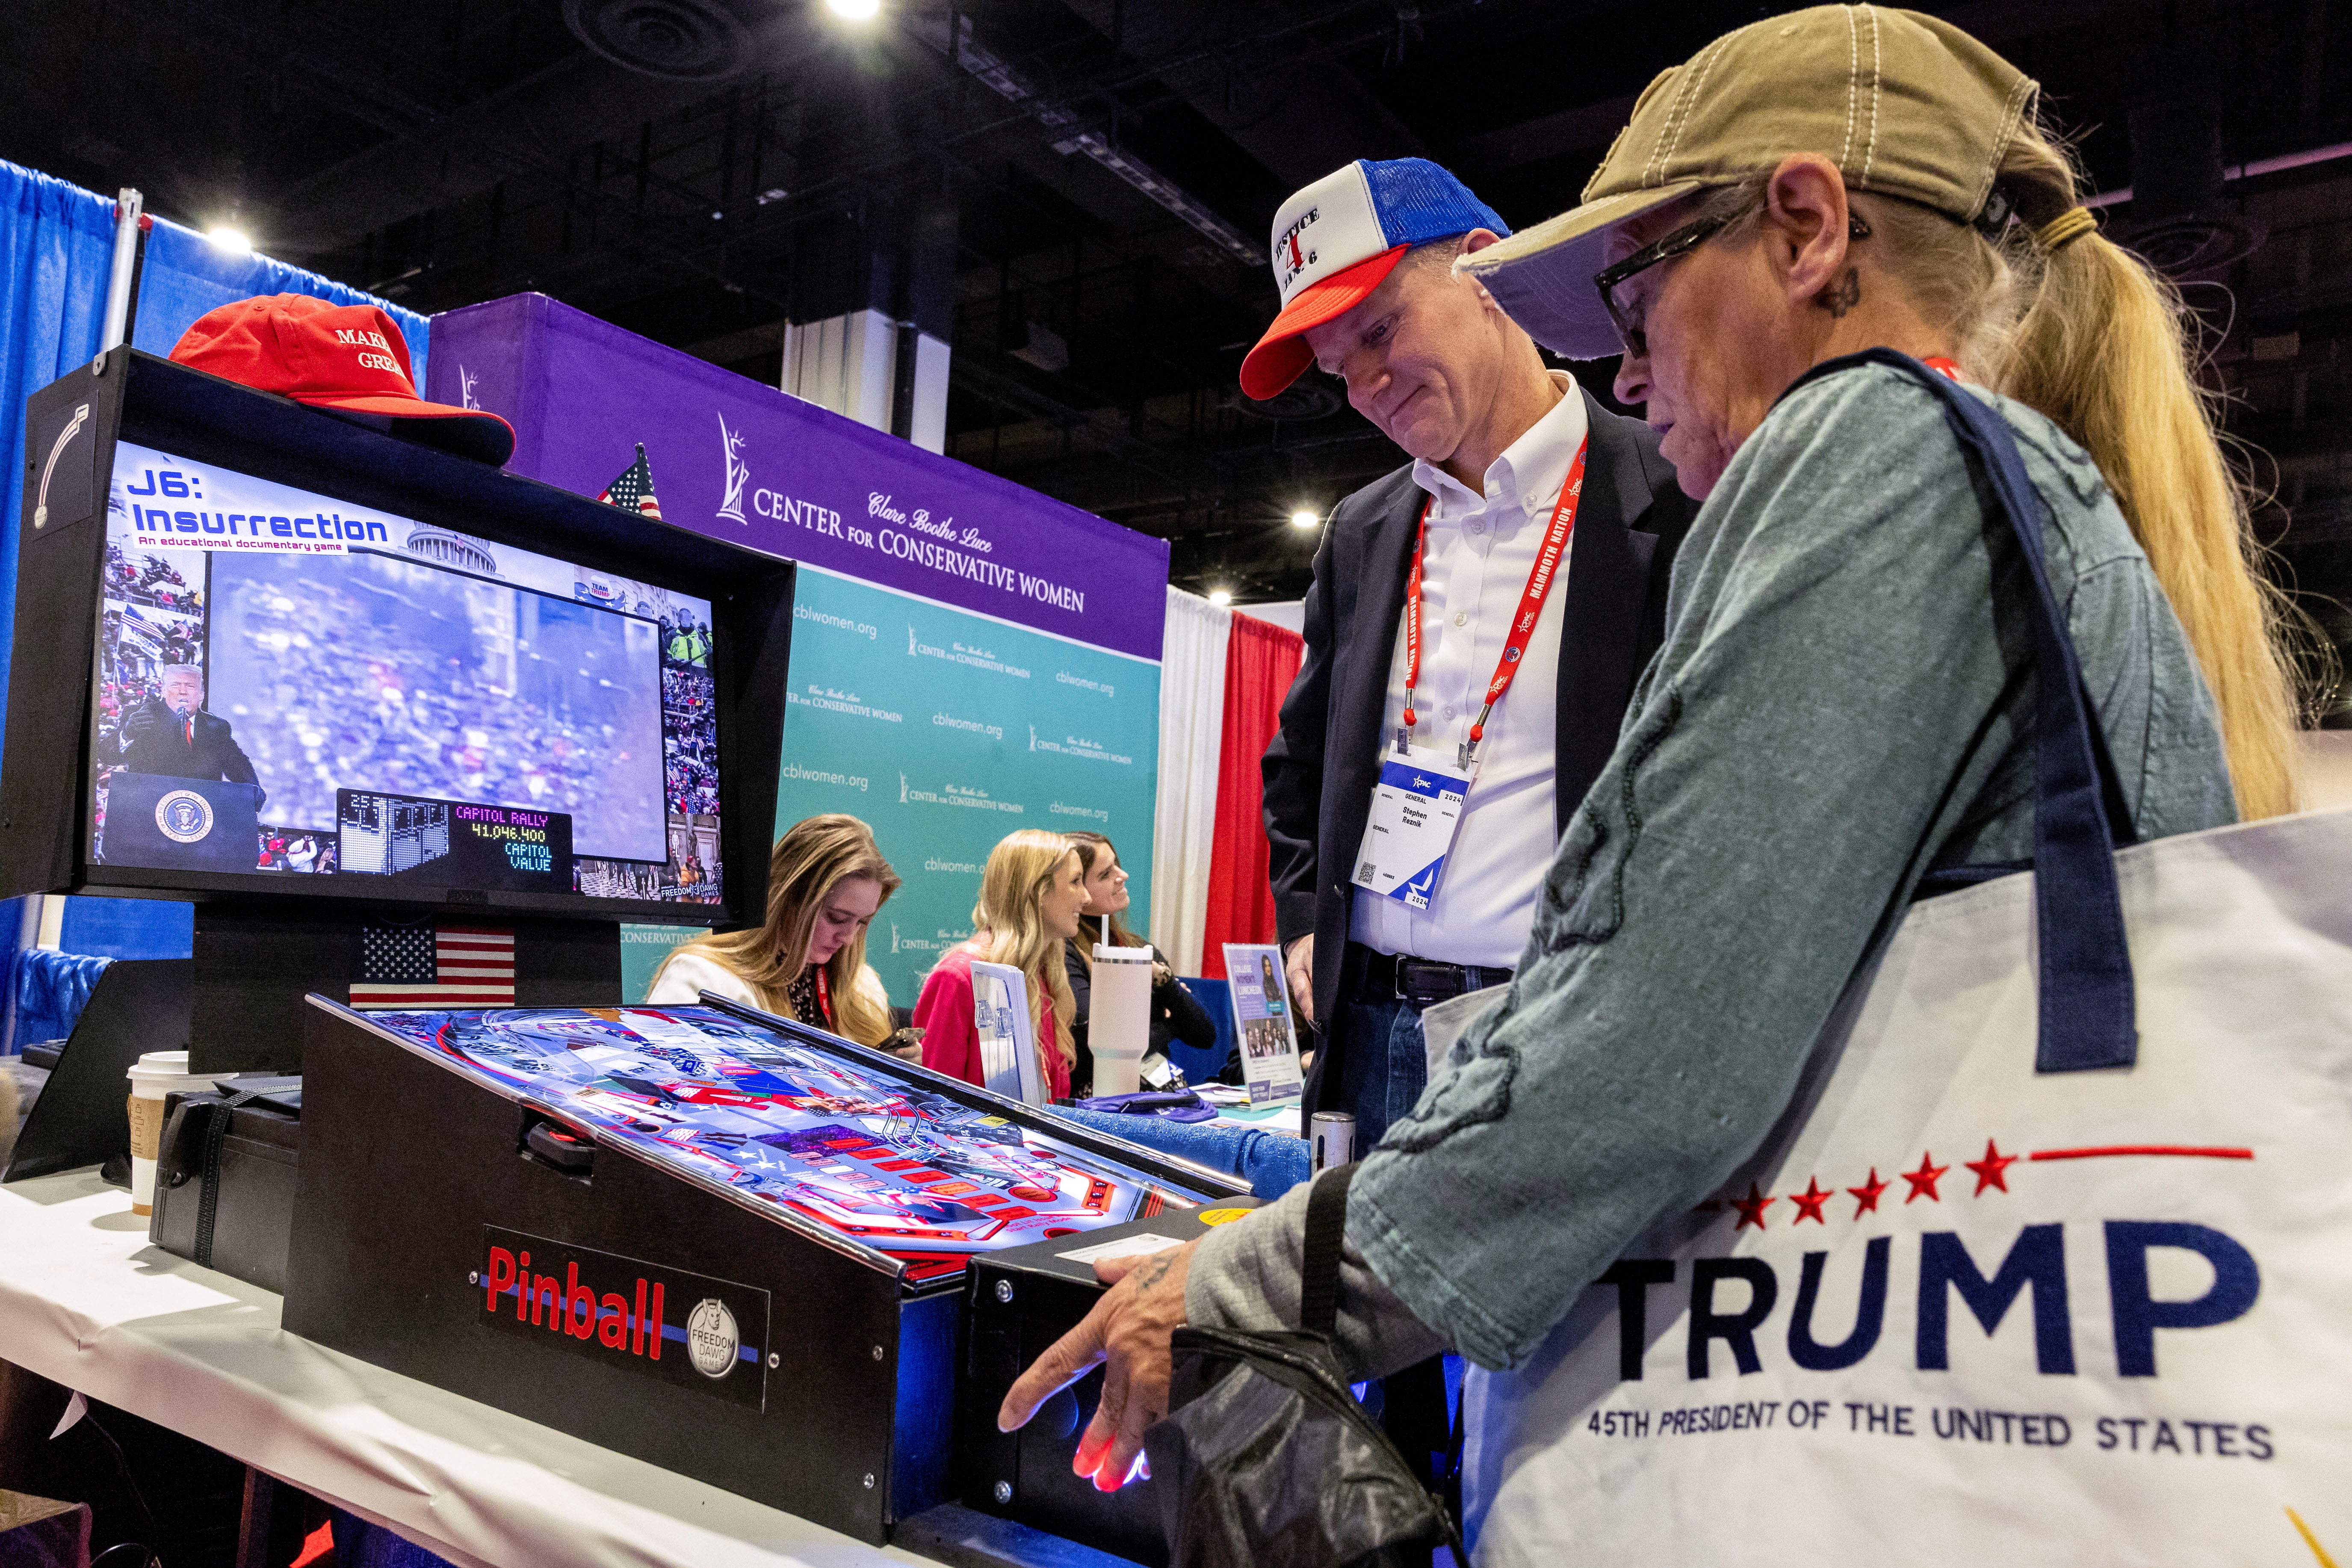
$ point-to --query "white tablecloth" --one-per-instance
(84, 1300)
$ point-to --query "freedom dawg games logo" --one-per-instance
(183, 816)
(711, 1338)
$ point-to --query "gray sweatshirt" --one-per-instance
(1844, 702)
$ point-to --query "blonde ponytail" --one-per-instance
(2089, 334)
(2101, 352)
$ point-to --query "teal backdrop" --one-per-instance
(945, 730)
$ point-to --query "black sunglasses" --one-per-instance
(1681, 242)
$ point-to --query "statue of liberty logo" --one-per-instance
(738, 471)
(467, 380)
(902, 800)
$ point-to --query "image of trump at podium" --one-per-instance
(187, 796)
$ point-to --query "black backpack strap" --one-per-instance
(2085, 994)
(1327, 1227)
(208, 1192)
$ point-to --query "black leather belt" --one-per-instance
(1401, 977)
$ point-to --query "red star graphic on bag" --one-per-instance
(1991, 1171)
(1809, 1202)
(1751, 1209)
(1866, 1197)
(1923, 1180)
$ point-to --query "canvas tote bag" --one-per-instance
(2010, 1282)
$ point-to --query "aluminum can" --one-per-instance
(1333, 1136)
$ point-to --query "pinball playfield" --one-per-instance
(871, 1151)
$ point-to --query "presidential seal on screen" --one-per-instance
(711, 1340)
(183, 816)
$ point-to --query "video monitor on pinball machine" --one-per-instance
(391, 701)
(265, 653)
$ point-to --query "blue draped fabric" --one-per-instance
(52, 988)
(57, 247)
(55, 242)
(185, 275)
(128, 928)
(1271, 1163)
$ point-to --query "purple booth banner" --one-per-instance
(738, 460)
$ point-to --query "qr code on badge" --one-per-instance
(1364, 871)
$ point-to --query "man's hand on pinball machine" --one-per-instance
(1127, 1332)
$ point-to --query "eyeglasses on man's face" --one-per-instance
(1628, 312)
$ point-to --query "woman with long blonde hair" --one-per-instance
(826, 879)
(1031, 893)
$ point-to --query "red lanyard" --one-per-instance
(824, 996)
(1949, 369)
(1523, 625)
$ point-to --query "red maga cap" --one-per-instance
(348, 358)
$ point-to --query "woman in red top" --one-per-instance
(1031, 895)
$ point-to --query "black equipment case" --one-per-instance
(224, 1178)
(411, 1172)
(1022, 1301)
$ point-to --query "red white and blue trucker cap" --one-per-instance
(1336, 239)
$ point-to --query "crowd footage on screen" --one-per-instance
(375, 675)
(331, 690)
(151, 580)
(690, 744)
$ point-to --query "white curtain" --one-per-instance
(1191, 735)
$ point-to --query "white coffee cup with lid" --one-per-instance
(152, 1076)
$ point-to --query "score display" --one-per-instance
(457, 844)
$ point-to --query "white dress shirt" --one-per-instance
(684, 977)
(1475, 566)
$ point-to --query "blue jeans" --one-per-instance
(1383, 1066)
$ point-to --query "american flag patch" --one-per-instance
(419, 966)
(633, 490)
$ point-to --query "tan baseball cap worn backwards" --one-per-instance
(1907, 106)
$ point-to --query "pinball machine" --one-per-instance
(704, 1235)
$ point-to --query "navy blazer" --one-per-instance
(166, 749)
(1319, 769)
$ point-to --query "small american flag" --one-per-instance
(426, 966)
(633, 490)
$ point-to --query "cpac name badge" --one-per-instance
(183, 816)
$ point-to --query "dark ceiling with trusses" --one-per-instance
(698, 170)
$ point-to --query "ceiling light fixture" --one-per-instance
(1221, 596)
(1305, 518)
(855, 10)
(229, 241)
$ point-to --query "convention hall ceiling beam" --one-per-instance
(434, 155)
(1300, 118)
(1590, 127)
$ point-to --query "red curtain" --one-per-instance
(1261, 661)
